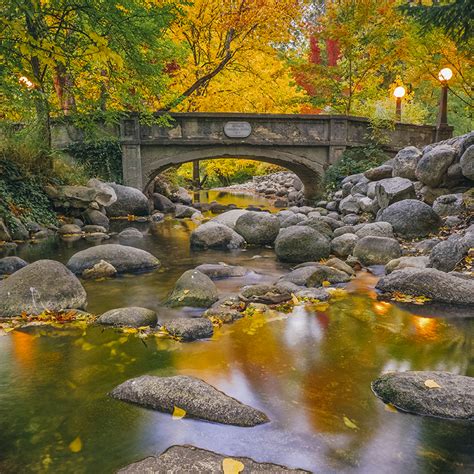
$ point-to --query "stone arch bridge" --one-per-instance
(304, 144)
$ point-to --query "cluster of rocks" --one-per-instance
(284, 187)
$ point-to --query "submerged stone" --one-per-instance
(196, 397)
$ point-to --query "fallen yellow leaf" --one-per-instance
(76, 445)
(232, 466)
(178, 413)
(350, 424)
(294, 299)
(431, 384)
(391, 408)
(326, 283)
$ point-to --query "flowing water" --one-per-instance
(310, 371)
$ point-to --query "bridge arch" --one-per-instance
(155, 161)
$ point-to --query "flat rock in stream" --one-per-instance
(190, 329)
(132, 316)
(217, 271)
(196, 397)
(438, 394)
(189, 459)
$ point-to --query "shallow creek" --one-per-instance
(310, 371)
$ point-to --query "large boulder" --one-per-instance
(375, 229)
(439, 286)
(376, 250)
(9, 265)
(44, 284)
(195, 289)
(132, 316)
(405, 162)
(162, 203)
(125, 259)
(75, 197)
(343, 245)
(197, 398)
(301, 244)
(189, 329)
(181, 459)
(432, 166)
(411, 218)
(229, 218)
(448, 253)
(258, 228)
(467, 163)
(428, 393)
(448, 205)
(390, 190)
(105, 194)
(213, 235)
(130, 201)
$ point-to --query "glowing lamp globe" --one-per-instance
(445, 74)
(399, 92)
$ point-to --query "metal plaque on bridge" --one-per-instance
(237, 129)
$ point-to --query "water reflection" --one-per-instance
(307, 370)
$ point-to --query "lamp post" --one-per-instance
(442, 127)
(399, 93)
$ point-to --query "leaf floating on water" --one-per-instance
(232, 466)
(76, 445)
(350, 424)
(391, 408)
(430, 383)
(178, 413)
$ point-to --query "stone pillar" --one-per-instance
(132, 166)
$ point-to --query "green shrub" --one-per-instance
(352, 161)
(22, 195)
(100, 159)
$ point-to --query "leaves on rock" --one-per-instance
(232, 466)
(430, 383)
(178, 413)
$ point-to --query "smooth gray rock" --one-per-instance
(467, 163)
(405, 162)
(325, 273)
(217, 271)
(69, 229)
(349, 205)
(95, 217)
(129, 234)
(390, 190)
(425, 246)
(189, 329)
(181, 211)
(193, 288)
(132, 316)
(351, 219)
(454, 398)
(439, 286)
(130, 201)
(264, 294)
(226, 310)
(258, 228)
(44, 284)
(301, 244)
(433, 165)
(448, 205)
(9, 265)
(376, 250)
(162, 203)
(375, 229)
(407, 262)
(294, 219)
(94, 229)
(346, 229)
(378, 173)
(299, 276)
(105, 194)
(411, 218)
(124, 258)
(229, 218)
(448, 253)
(320, 224)
(343, 245)
(189, 459)
(215, 235)
(198, 398)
